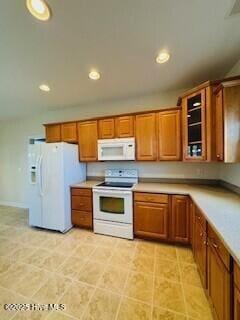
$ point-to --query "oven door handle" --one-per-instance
(118, 192)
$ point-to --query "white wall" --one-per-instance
(14, 137)
(231, 172)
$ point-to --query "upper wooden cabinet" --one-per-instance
(179, 229)
(106, 128)
(69, 132)
(87, 140)
(169, 135)
(146, 137)
(227, 121)
(57, 132)
(53, 132)
(194, 126)
(124, 126)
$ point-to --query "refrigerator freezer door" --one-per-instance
(34, 197)
(53, 187)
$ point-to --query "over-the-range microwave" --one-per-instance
(116, 149)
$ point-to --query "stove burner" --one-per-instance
(116, 184)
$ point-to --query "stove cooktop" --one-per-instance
(116, 184)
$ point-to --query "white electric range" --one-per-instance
(113, 203)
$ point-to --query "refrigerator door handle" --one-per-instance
(40, 176)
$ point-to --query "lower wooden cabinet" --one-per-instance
(151, 217)
(179, 225)
(81, 205)
(236, 292)
(199, 243)
(219, 280)
(236, 303)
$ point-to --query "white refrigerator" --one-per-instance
(53, 167)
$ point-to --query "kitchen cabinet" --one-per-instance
(219, 277)
(69, 132)
(81, 207)
(200, 245)
(194, 126)
(227, 124)
(124, 126)
(87, 140)
(106, 128)
(198, 124)
(151, 215)
(191, 222)
(53, 132)
(146, 137)
(169, 135)
(180, 219)
(236, 292)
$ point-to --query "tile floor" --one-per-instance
(96, 277)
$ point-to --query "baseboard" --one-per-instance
(14, 204)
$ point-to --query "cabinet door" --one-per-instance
(146, 138)
(194, 126)
(53, 133)
(191, 222)
(69, 132)
(219, 125)
(218, 285)
(124, 126)
(87, 140)
(169, 135)
(151, 220)
(179, 227)
(200, 252)
(236, 303)
(106, 129)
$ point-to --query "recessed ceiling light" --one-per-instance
(39, 9)
(44, 87)
(163, 57)
(94, 75)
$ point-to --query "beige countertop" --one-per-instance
(220, 206)
(86, 184)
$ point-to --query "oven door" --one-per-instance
(113, 205)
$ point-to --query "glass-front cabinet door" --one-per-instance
(194, 126)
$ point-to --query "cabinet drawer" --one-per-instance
(81, 192)
(151, 197)
(81, 203)
(216, 243)
(201, 219)
(237, 275)
(82, 218)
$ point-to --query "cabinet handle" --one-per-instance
(201, 234)
(215, 245)
(198, 217)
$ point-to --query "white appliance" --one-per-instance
(116, 149)
(113, 203)
(53, 167)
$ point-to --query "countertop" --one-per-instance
(220, 206)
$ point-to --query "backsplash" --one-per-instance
(170, 170)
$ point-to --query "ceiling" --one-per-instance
(119, 37)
